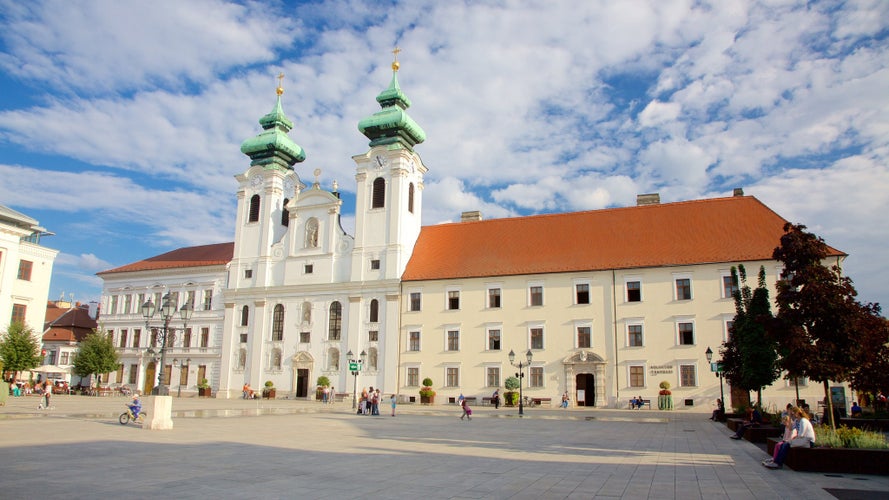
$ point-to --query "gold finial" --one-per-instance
(395, 64)
(280, 89)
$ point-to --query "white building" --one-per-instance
(25, 270)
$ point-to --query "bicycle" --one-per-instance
(126, 416)
(529, 402)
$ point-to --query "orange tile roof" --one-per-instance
(73, 325)
(199, 256)
(733, 229)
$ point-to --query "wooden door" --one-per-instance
(150, 378)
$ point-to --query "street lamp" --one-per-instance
(521, 374)
(709, 354)
(355, 367)
(166, 334)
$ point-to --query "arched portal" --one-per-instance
(585, 379)
(303, 364)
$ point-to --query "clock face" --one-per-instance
(257, 181)
(380, 161)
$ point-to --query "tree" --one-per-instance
(96, 354)
(872, 371)
(19, 349)
(749, 356)
(820, 326)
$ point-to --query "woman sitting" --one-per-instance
(805, 437)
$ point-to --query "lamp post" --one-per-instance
(709, 354)
(166, 334)
(355, 367)
(520, 375)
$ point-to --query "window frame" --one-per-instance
(497, 373)
(452, 299)
(414, 340)
(636, 291)
(536, 376)
(452, 376)
(494, 293)
(26, 267)
(535, 294)
(680, 324)
(577, 326)
(627, 333)
(414, 301)
(630, 376)
(677, 287)
(578, 293)
(682, 374)
(531, 336)
(488, 338)
(452, 339)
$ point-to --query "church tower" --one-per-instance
(389, 191)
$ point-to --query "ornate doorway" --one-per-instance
(150, 378)
(302, 363)
(585, 379)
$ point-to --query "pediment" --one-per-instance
(584, 357)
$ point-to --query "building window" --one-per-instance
(373, 336)
(634, 291)
(492, 376)
(410, 197)
(308, 269)
(243, 338)
(123, 338)
(285, 214)
(453, 340)
(134, 374)
(64, 359)
(537, 338)
(127, 304)
(637, 376)
(536, 296)
(683, 289)
(374, 264)
(137, 337)
(634, 335)
(452, 377)
(242, 358)
(205, 337)
(25, 270)
(248, 273)
(536, 376)
(374, 311)
(494, 339)
(208, 300)
(114, 300)
(245, 315)
(729, 287)
(453, 300)
(51, 357)
(18, 313)
(493, 298)
(373, 359)
(729, 325)
(793, 381)
(305, 337)
(278, 323)
(414, 301)
(413, 377)
(276, 359)
(378, 199)
(335, 323)
(253, 215)
(687, 377)
(168, 372)
(584, 337)
(333, 359)
(413, 341)
(686, 333)
(582, 293)
(186, 338)
(311, 233)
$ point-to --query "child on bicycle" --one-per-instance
(135, 406)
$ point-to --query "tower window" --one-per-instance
(374, 311)
(378, 200)
(285, 214)
(335, 321)
(410, 197)
(278, 323)
(254, 209)
(375, 264)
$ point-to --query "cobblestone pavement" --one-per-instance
(298, 449)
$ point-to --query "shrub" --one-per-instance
(511, 383)
(269, 384)
(427, 391)
(205, 384)
(323, 381)
(427, 382)
(665, 388)
(846, 437)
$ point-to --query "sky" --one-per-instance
(121, 121)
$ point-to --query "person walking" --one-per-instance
(564, 400)
(331, 397)
(392, 402)
(495, 398)
(467, 411)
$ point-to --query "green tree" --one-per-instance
(820, 326)
(750, 356)
(96, 354)
(19, 349)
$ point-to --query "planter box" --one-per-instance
(836, 460)
(205, 392)
(269, 393)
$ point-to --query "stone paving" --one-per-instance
(297, 449)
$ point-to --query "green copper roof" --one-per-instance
(392, 124)
(272, 147)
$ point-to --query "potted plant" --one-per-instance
(427, 395)
(204, 388)
(321, 384)
(664, 396)
(269, 391)
(511, 396)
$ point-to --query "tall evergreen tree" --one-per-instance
(96, 354)
(820, 325)
(19, 349)
(749, 356)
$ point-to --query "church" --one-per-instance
(600, 305)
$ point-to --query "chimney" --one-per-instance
(738, 192)
(473, 215)
(648, 199)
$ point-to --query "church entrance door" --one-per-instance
(302, 382)
(586, 389)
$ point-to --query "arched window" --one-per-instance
(278, 323)
(242, 359)
(335, 323)
(312, 233)
(374, 311)
(285, 214)
(372, 359)
(410, 197)
(254, 209)
(245, 315)
(276, 359)
(333, 359)
(307, 312)
(378, 200)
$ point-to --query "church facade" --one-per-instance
(601, 305)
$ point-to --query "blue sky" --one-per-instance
(120, 122)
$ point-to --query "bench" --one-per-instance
(645, 402)
(540, 401)
(761, 433)
(487, 401)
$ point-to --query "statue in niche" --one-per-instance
(312, 233)
(307, 312)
